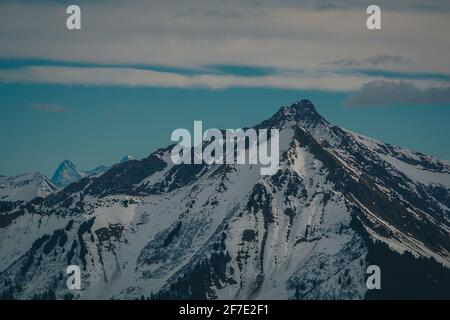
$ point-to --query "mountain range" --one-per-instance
(27, 186)
(339, 203)
(67, 172)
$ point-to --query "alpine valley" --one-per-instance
(339, 203)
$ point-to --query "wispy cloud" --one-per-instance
(115, 76)
(374, 61)
(382, 93)
(47, 107)
(136, 77)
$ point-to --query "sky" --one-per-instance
(137, 70)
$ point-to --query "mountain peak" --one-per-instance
(303, 103)
(301, 111)
(300, 107)
(127, 158)
(67, 163)
(66, 173)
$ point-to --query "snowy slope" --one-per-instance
(150, 228)
(25, 187)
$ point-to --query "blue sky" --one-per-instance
(100, 125)
(134, 73)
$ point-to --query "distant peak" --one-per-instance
(66, 173)
(127, 158)
(67, 163)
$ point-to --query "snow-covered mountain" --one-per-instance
(66, 173)
(339, 203)
(25, 187)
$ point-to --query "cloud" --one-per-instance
(382, 92)
(47, 107)
(120, 76)
(328, 6)
(285, 34)
(373, 61)
(136, 77)
(291, 39)
(221, 13)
